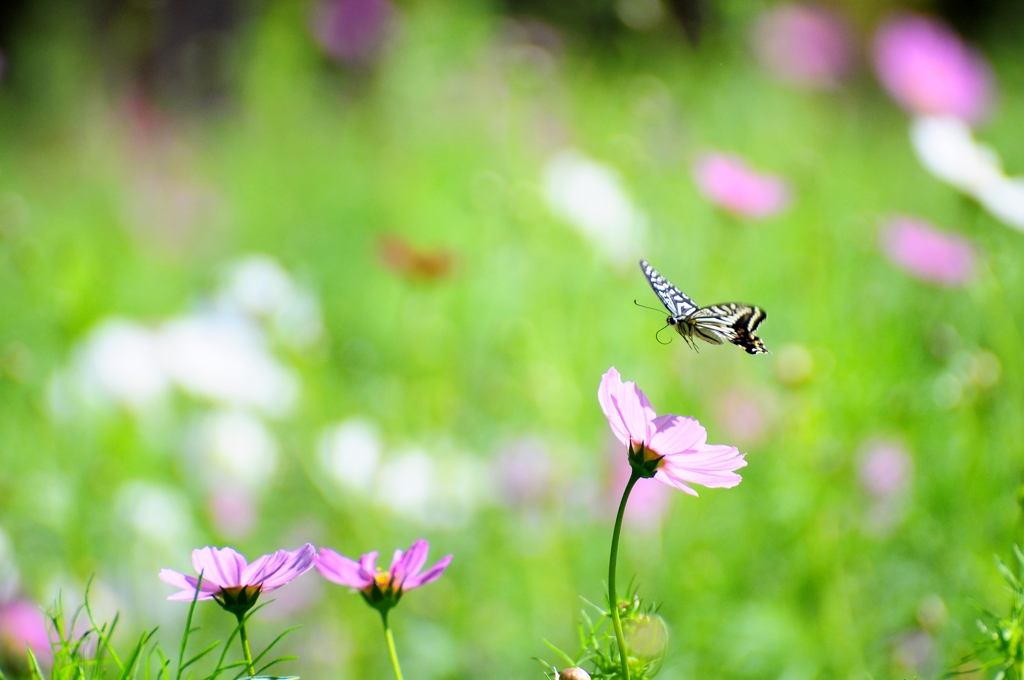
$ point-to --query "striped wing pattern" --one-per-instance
(730, 322)
(715, 324)
(677, 303)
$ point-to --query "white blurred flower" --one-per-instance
(155, 512)
(432, 490)
(9, 577)
(236, 445)
(261, 288)
(259, 285)
(118, 364)
(590, 196)
(350, 451)
(406, 482)
(1004, 200)
(225, 359)
(947, 149)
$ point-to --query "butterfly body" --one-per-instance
(714, 324)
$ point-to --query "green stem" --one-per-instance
(613, 598)
(245, 645)
(391, 646)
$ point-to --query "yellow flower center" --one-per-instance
(382, 579)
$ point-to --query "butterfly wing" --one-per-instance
(674, 299)
(730, 322)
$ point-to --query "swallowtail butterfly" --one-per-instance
(714, 324)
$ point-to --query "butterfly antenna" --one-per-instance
(659, 333)
(653, 309)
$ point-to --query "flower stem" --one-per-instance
(613, 598)
(390, 639)
(244, 639)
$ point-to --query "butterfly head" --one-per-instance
(671, 321)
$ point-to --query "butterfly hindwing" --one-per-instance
(733, 322)
(677, 303)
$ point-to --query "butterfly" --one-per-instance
(714, 324)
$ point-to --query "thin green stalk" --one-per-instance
(391, 645)
(245, 645)
(613, 597)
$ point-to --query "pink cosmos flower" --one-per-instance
(677, 444)
(804, 45)
(729, 183)
(928, 70)
(233, 583)
(744, 415)
(23, 624)
(353, 31)
(381, 589)
(886, 468)
(928, 253)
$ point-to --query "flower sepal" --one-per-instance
(239, 599)
(643, 466)
(382, 594)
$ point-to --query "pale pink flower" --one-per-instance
(22, 625)
(805, 45)
(743, 415)
(524, 473)
(678, 444)
(927, 253)
(728, 182)
(227, 576)
(928, 70)
(382, 589)
(353, 31)
(233, 511)
(885, 468)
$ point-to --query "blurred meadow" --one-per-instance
(270, 276)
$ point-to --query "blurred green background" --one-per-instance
(411, 337)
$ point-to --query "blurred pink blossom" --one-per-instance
(233, 511)
(743, 415)
(885, 468)
(729, 183)
(675, 446)
(524, 473)
(353, 31)
(805, 45)
(23, 624)
(928, 70)
(927, 253)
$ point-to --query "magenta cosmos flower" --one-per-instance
(804, 45)
(928, 253)
(233, 583)
(382, 589)
(23, 624)
(728, 182)
(353, 32)
(928, 70)
(674, 447)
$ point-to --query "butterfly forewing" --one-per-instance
(677, 303)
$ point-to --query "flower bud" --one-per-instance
(574, 673)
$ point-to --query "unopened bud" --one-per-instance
(574, 673)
